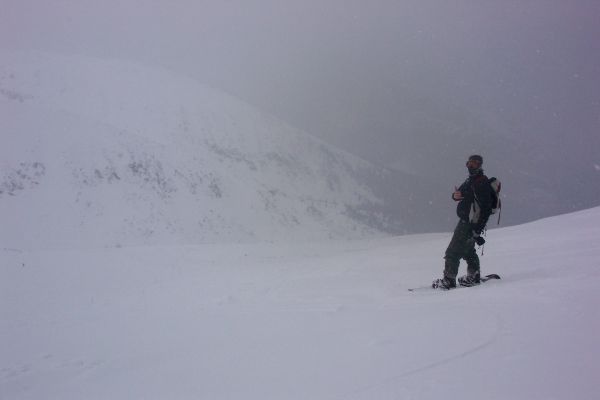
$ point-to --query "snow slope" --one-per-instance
(110, 153)
(305, 321)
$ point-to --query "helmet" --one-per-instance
(474, 164)
(476, 157)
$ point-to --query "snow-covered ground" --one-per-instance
(330, 320)
(111, 153)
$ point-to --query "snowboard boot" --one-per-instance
(444, 283)
(470, 280)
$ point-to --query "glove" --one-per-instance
(477, 235)
(479, 240)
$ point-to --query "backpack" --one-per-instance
(496, 185)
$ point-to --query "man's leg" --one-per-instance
(472, 259)
(457, 249)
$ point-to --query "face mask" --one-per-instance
(474, 167)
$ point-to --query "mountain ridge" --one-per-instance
(124, 154)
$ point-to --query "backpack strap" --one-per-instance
(499, 209)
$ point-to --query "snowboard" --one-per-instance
(483, 279)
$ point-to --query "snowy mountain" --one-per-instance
(327, 320)
(109, 153)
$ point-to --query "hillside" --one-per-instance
(108, 153)
(316, 321)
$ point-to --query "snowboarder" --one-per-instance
(474, 207)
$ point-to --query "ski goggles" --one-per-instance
(473, 164)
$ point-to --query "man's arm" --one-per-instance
(458, 195)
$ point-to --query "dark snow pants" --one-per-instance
(462, 246)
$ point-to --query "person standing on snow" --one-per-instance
(474, 207)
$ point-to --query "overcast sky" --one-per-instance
(400, 83)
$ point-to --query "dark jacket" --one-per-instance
(476, 204)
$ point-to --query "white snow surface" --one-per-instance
(306, 321)
(110, 153)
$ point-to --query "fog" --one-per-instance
(415, 86)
